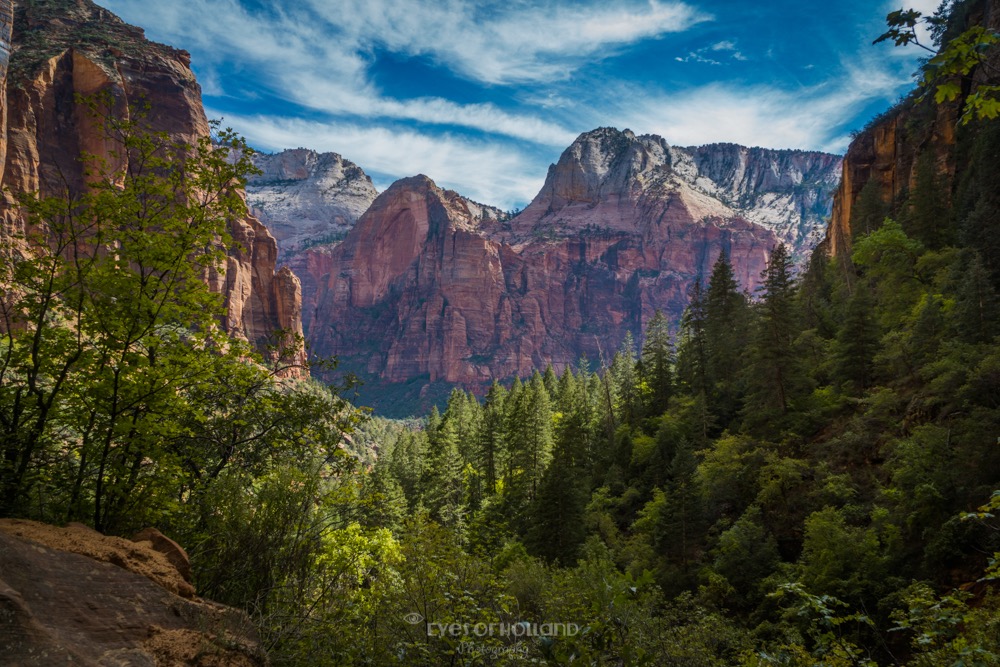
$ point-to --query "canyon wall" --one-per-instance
(63, 49)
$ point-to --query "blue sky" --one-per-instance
(483, 96)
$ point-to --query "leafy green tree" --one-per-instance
(958, 56)
(112, 314)
(746, 555)
(839, 559)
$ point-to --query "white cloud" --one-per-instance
(697, 57)
(318, 65)
(505, 42)
(484, 171)
(719, 49)
(319, 54)
(763, 115)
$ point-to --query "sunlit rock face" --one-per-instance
(429, 284)
(885, 154)
(63, 49)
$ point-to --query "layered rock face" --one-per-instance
(308, 201)
(65, 48)
(430, 285)
(785, 191)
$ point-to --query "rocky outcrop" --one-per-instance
(307, 198)
(786, 191)
(73, 596)
(308, 201)
(66, 48)
(427, 285)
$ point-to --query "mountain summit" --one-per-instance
(430, 287)
(611, 178)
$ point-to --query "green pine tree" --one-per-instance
(658, 364)
(774, 374)
(857, 342)
(726, 317)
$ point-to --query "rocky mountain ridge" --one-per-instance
(307, 198)
(426, 289)
(785, 191)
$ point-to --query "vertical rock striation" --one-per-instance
(65, 48)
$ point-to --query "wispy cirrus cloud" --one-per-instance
(506, 42)
(709, 55)
(484, 171)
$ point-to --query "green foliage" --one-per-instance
(958, 58)
(111, 335)
(946, 630)
(857, 342)
(774, 376)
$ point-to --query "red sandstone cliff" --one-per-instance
(65, 48)
(427, 286)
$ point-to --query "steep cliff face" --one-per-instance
(6, 27)
(429, 285)
(308, 201)
(885, 155)
(65, 48)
